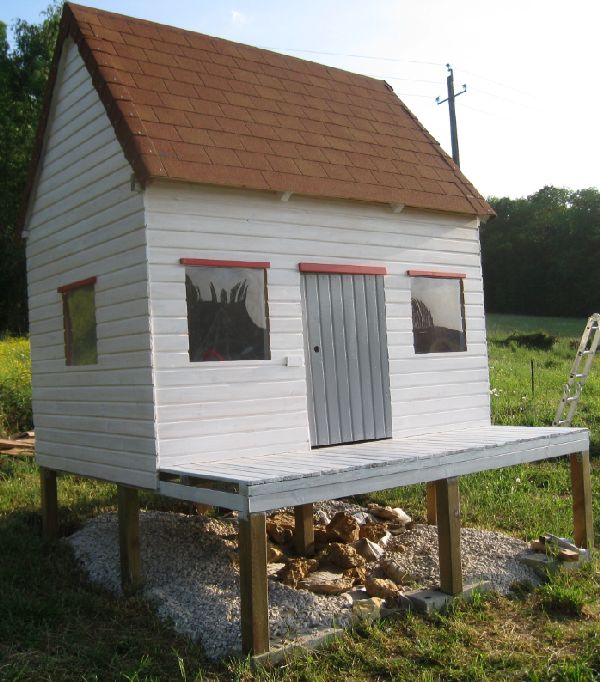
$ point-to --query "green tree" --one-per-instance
(539, 255)
(24, 72)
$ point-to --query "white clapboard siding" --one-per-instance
(86, 221)
(208, 411)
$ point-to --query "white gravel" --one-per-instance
(193, 581)
(190, 576)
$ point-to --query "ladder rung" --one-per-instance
(578, 376)
(572, 398)
(586, 352)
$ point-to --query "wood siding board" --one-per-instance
(342, 269)
(364, 364)
(351, 340)
(319, 426)
(331, 406)
(240, 225)
(384, 361)
(341, 357)
(84, 217)
(262, 265)
(437, 274)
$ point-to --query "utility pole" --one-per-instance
(450, 99)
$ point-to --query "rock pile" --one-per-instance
(349, 552)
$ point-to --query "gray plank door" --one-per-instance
(347, 358)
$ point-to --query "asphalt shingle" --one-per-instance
(199, 109)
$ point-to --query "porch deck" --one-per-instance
(261, 483)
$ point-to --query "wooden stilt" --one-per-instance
(448, 521)
(304, 529)
(431, 512)
(129, 539)
(253, 583)
(581, 483)
(49, 505)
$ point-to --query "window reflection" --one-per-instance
(438, 315)
(227, 314)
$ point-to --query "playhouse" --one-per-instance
(254, 281)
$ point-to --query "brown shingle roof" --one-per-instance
(190, 107)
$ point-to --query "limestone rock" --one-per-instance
(358, 574)
(372, 531)
(342, 555)
(396, 514)
(321, 518)
(280, 528)
(295, 570)
(367, 610)
(362, 517)
(382, 587)
(321, 539)
(343, 528)
(274, 554)
(326, 582)
(368, 549)
(394, 571)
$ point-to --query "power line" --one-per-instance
(353, 56)
(413, 80)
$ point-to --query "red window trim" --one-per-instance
(225, 263)
(432, 273)
(342, 269)
(76, 285)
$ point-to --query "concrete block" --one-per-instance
(286, 649)
(429, 601)
(543, 564)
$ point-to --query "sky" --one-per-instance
(529, 117)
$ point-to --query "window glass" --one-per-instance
(80, 326)
(227, 313)
(438, 315)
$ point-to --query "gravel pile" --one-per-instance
(191, 576)
(486, 555)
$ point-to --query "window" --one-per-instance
(79, 316)
(438, 312)
(227, 309)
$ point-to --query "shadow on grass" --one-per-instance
(55, 625)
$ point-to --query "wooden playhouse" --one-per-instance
(254, 281)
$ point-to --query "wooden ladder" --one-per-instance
(590, 339)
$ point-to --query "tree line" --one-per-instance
(539, 254)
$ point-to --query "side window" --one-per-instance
(438, 312)
(227, 309)
(79, 319)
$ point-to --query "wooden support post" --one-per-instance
(49, 505)
(581, 483)
(253, 583)
(431, 512)
(448, 521)
(304, 529)
(129, 539)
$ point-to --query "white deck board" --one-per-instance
(269, 481)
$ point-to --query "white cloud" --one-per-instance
(238, 18)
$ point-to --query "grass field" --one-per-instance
(55, 626)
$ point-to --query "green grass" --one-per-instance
(15, 386)
(55, 626)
